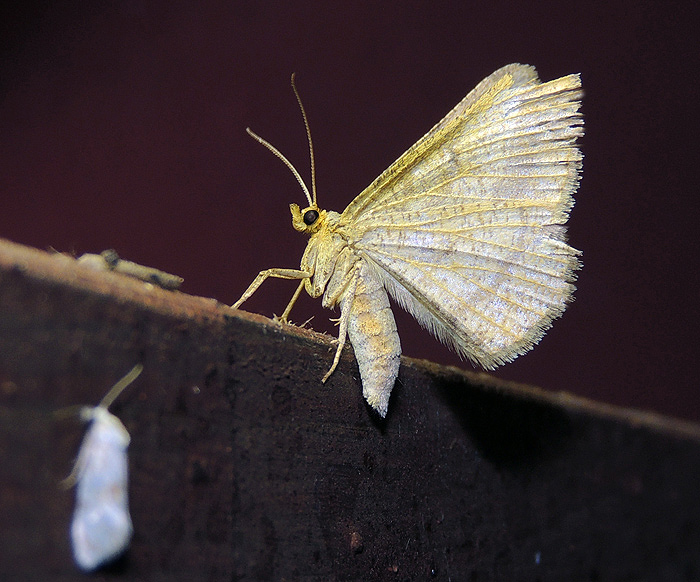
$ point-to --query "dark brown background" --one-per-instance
(122, 125)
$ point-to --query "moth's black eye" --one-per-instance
(310, 216)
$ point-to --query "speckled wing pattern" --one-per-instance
(466, 229)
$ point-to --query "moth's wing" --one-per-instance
(466, 229)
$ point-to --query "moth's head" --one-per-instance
(308, 220)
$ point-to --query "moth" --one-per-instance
(101, 528)
(466, 231)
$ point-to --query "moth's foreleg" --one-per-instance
(292, 301)
(279, 274)
(348, 291)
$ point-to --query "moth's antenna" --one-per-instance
(117, 389)
(287, 163)
(308, 135)
(87, 413)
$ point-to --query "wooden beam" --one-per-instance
(245, 467)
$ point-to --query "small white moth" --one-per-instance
(101, 528)
(465, 231)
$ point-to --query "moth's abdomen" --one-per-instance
(374, 338)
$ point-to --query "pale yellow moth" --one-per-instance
(466, 231)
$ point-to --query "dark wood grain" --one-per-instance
(245, 467)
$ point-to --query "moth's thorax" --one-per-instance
(323, 254)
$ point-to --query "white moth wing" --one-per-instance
(101, 528)
(466, 228)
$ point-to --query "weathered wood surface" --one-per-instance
(245, 467)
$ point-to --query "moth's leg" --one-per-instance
(342, 335)
(292, 301)
(278, 273)
(77, 469)
(345, 305)
(72, 478)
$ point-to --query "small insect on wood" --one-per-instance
(109, 260)
(101, 528)
(466, 231)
